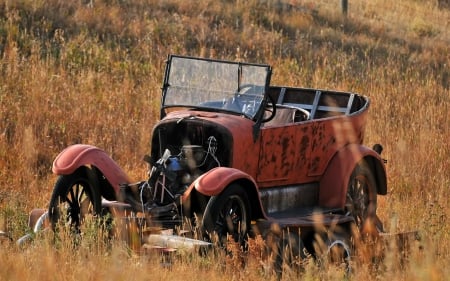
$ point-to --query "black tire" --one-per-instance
(361, 201)
(82, 185)
(227, 214)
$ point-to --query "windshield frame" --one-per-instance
(215, 85)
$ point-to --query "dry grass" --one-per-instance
(72, 72)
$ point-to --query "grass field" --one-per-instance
(91, 71)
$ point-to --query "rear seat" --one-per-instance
(286, 115)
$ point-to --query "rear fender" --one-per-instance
(79, 155)
(214, 181)
(334, 182)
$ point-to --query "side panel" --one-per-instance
(300, 152)
(334, 183)
(330, 135)
(282, 198)
(79, 155)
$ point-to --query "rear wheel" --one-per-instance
(227, 215)
(361, 202)
(75, 197)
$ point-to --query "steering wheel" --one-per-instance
(272, 109)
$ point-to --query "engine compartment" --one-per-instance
(187, 137)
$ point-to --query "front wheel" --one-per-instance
(74, 198)
(228, 215)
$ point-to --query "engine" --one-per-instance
(169, 177)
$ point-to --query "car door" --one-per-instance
(283, 155)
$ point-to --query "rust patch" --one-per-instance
(314, 164)
(304, 144)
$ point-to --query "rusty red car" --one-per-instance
(233, 155)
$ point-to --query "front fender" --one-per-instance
(334, 182)
(79, 155)
(214, 181)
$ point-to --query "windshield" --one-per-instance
(217, 85)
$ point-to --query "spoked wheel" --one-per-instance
(227, 215)
(362, 198)
(74, 198)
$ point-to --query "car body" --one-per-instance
(234, 155)
(300, 159)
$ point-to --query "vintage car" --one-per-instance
(233, 155)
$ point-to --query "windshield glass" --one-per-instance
(217, 85)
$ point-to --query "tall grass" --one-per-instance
(90, 72)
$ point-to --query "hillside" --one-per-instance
(91, 71)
